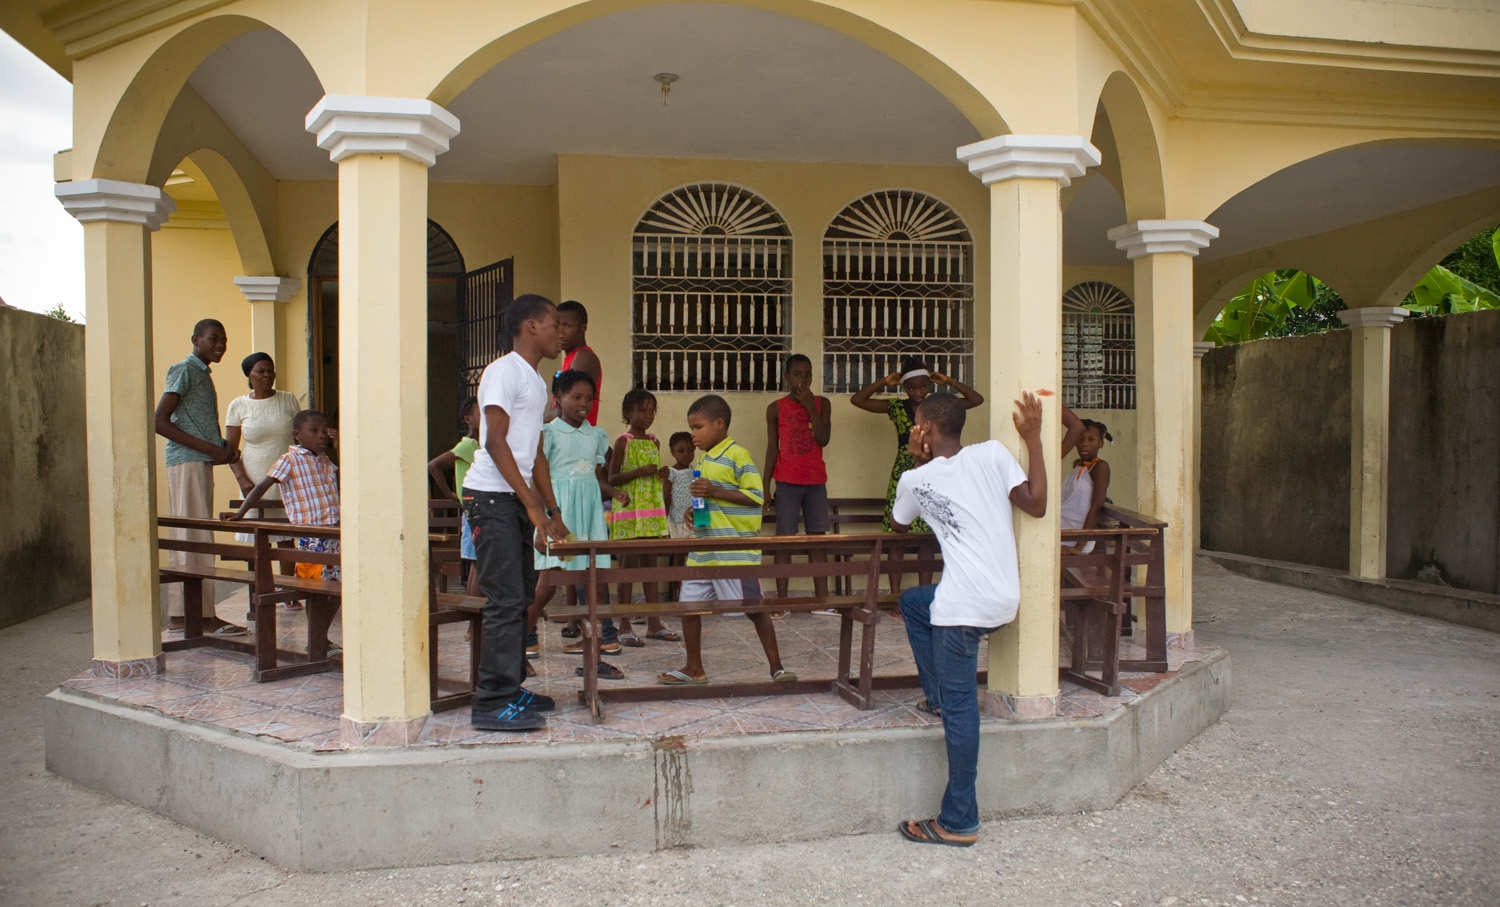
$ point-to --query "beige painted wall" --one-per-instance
(600, 199)
(44, 536)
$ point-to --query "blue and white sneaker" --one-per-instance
(513, 717)
(535, 701)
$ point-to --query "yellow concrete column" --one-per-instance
(1025, 174)
(1369, 442)
(1163, 252)
(117, 220)
(383, 147)
(1200, 349)
(265, 295)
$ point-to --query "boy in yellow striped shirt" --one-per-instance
(730, 485)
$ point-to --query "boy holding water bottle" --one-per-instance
(730, 489)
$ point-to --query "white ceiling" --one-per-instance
(756, 85)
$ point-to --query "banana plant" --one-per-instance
(1263, 306)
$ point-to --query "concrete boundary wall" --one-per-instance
(44, 532)
(1276, 435)
(419, 806)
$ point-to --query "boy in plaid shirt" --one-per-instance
(309, 485)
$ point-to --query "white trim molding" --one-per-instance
(1050, 157)
(115, 200)
(1374, 316)
(1201, 348)
(1153, 237)
(268, 289)
(347, 125)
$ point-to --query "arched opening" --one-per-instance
(898, 280)
(1098, 347)
(446, 380)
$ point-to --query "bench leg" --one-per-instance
(265, 639)
(192, 608)
(320, 612)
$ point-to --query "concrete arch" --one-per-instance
(964, 96)
(245, 222)
(127, 147)
(1136, 170)
(1435, 252)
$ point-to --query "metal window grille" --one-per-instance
(711, 292)
(1098, 343)
(898, 280)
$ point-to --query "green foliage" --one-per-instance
(60, 314)
(1290, 302)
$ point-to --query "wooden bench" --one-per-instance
(1094, 601)
(856, 609)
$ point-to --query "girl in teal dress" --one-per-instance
(576, 452)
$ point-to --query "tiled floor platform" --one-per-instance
(215, 687)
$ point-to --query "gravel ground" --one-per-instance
(1357, 766)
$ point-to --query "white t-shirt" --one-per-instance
(513, 385)
(965, 498)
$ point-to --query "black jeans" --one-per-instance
(507, 580)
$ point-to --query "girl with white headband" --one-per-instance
(917, 379)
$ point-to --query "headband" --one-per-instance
(915, 373)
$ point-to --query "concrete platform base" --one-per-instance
(415, 806)
(1457, 606)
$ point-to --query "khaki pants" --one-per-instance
(190, 493)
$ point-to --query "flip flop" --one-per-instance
(929, 708)
(631, 640)
(571, 631)
(665, 635)
(679, 679)
(784, 676)
(606, 672)
(929, 834)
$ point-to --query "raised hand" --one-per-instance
(1028, 416)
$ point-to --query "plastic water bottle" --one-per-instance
(700, 506)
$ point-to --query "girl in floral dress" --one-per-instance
(635, 467)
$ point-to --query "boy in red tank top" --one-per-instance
(797, 429)
(572, 330)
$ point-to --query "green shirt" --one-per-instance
(729, 466)
(463, 452)
(197, 411)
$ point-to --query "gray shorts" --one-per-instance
(808, 501)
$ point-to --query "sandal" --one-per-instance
(784, 676)
(679, 679)
(631, 640)
(929, 708)
(778, 615)
(605, 648)
(571, 631)
(928, 831)
(665, 635)
(606, 671)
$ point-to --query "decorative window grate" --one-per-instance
(1098, 344)
(898, 280)
(711, 292)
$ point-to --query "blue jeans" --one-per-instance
(948, 666)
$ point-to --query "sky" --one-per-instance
(41, 245)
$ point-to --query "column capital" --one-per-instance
(347, 125)
(1050, 157)
(268, 289)
(1374, 316)
(1153, 237)
(1201, 348)
(115, 200)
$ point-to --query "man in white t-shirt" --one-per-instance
(507, 494)
(965, 494)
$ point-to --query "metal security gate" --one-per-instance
(482, 337)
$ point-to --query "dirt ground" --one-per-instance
(1357, 766)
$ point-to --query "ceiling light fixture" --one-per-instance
(666, 79)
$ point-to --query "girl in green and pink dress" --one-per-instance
(635, 467)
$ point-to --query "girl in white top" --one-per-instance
(1087, 483)
(263, 420)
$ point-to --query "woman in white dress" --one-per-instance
(263, 420)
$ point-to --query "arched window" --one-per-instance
(1098, 342)
(898, 280)
(711, 292)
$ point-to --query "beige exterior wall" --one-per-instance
(602, 198)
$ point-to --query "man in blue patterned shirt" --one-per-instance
(188, 417)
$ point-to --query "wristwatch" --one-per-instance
(552, 511)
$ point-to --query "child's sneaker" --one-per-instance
(513, 717)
